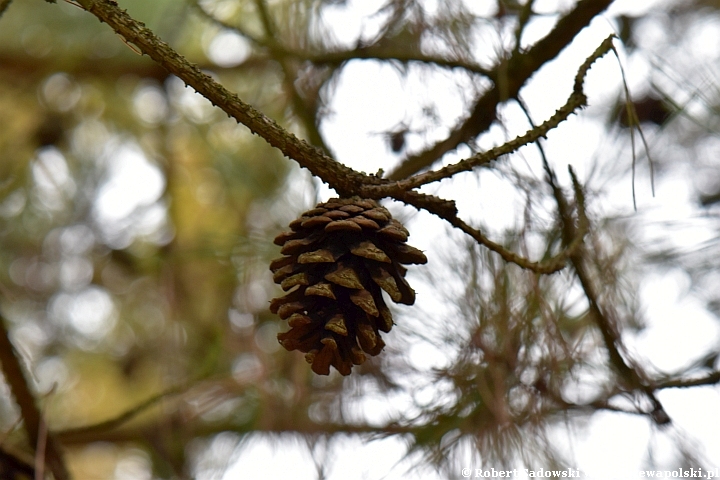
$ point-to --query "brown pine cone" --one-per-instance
(337, 258)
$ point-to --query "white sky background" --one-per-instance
(371, 99)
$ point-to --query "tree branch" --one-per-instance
(113, 423)
(509, 77)
(243, 33)
(15, 377)
(19, 68)
(551, 265)
(604, 320)
(208, 429)
(712, 378)
(338, 57)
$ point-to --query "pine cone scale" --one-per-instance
(345, 277)
(317, 256)
(365, 222)
(321, 289)
(365, 301)
(337, 324)
(298, 320)
(316, 221)
(343, 225)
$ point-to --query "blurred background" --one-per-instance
(136, 227)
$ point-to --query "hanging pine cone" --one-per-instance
(337, 258)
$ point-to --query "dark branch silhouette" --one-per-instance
(16, 378)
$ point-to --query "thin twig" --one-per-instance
(337, 57)
(227, 26)
(710, 379)
(340, 56)
(40, 451)
(634, 121)
(613, 344)
(522, 22)
(551, 265)
(117, 421)
(446, 210)
(332, 59)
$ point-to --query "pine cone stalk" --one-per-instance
(337, 260)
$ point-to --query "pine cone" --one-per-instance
(338, 257)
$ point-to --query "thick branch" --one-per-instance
(509, 76)
(15, 377)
